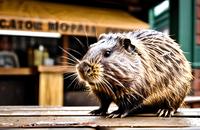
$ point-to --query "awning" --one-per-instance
(66, 19)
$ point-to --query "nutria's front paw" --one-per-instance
(165, 112)
(98, 112)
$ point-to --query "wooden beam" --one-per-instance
(57, 69)
(16, 71)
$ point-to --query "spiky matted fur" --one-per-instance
(139, 70)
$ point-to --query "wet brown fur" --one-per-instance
(154, 74)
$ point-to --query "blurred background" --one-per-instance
(35, 70)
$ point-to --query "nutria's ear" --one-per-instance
(128, 46)
(101, 36)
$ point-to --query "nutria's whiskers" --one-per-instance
(101, 86)
(116, 80)
(70, 54)
(81, 43)
(87, 41)
(70, 59)
(71, 75)
(69, 64)
(108, 86)
(120, 84)
(70, 49)
(75, 79)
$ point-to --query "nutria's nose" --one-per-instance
(84, 67)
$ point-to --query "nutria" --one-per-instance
(139, 70)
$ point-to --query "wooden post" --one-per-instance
(65, 46)
(50, 87)
(51, 81)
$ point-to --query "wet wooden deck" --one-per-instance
(71, 117)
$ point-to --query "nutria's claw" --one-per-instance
(99, 112)
(116, 114)
(165, 113)
(113, 116)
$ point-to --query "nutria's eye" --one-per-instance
(107, 53)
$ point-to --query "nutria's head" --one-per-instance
(114, 59)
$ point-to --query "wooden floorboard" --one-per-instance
(73, 117)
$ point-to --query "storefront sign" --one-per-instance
(47, 26)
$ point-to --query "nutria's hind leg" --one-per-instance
(161, 112)
(167, 107)
(165, 102)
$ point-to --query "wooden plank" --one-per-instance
(79, 111)
(38, 117)
(69, 108)
(96, 121)
(192, 99)
(16, 71)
